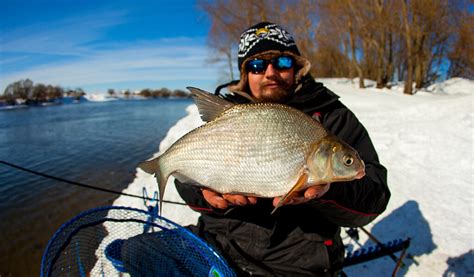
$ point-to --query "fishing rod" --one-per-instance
(82, 184)
(399, 261)
(391, 255)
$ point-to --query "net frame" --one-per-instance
(78, 246)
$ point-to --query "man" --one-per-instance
(303, 237)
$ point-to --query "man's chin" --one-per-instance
(274, 95)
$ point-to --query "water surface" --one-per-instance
(99, 144)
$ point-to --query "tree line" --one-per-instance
(26, 92)
(382, 40)
(154, 93)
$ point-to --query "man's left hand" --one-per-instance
(306, 195)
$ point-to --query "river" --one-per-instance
(95, 143)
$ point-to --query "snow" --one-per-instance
(99, 98)
(425, 141)
(180, 214)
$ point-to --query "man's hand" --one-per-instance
(302, 197)
(222, 201)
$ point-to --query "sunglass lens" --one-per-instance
(259, 65)
(284, 62)
(256, 66)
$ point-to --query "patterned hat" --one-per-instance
(270, 39)
(263, 37)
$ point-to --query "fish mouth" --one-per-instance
(360, 174)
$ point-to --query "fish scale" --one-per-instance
(258, 149)
(238, 154)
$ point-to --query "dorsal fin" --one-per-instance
(209, 105)
(246, 96)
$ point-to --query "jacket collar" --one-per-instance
(312, 96)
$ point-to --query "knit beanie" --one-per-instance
(267, 38)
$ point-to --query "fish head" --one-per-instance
(332, 160)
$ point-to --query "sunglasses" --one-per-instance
(258, 66)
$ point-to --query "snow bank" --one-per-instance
(99, 98)
(180, 214)
(453, 86)
(425, 141)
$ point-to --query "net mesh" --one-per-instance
(122, 241)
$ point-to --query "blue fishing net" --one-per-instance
(122, 241)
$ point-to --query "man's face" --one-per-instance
(272, 85)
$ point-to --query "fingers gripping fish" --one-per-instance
(258, 149)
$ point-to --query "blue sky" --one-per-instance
(97, 45)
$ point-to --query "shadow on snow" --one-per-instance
(405, 222)
(461, 266)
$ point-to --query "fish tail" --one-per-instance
(153, 167)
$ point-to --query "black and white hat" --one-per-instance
(267, 38)
(263, 37)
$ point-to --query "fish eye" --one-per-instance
(348, 160)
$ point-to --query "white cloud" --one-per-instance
(72, 53)
(68, 36)
(148, 61)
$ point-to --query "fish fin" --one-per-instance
(209, 105)
(161, 180)
(183, 178)
(246, 96)
(302, 180)
(150, 166)
(153, 167)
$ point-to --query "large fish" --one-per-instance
(257, 149)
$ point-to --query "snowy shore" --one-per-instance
(426, 143)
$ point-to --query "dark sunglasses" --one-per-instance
(258, 66)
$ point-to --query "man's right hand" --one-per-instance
(222, 201)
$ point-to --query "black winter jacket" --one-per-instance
(298, 240)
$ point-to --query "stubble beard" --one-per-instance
(279, 94)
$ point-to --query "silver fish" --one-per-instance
(257, 149)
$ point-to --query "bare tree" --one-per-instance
(228, 20)
(461, 55)
(376, 39)
(383, 26)
(408, 32)
(302, 19)
(22, 89)
(341, 24)
(39, 93)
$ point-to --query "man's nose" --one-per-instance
(270, 71)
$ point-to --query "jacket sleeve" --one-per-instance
(355, 203)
